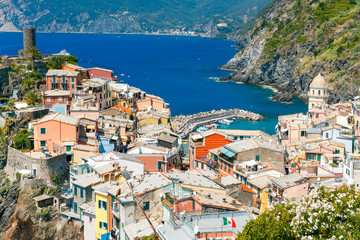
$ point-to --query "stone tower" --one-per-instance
(318, 93)
(29, 38)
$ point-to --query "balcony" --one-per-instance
(116, 210)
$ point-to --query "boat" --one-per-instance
(226, 121)
(202, 129)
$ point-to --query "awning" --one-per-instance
(227, 152)
(196, 136)
(115, 138)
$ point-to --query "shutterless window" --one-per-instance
(42, 130)
(146, 206)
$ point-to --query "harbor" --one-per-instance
(185, 124)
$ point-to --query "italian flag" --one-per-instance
(229, 221)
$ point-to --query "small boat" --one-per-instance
(202, 129)
(226, 121)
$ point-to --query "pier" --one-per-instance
(185, 124)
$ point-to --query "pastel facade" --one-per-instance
(57, 133)
(101, 73)
(53, 97)
(62, 80)
(318, 93)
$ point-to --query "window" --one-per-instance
(159, 167)
(68, 148)
(303, 133)
(60, 99)
(146, 205)
(257, 158)
(103, 225)
(81, 193)
(53, 86)
(75, 207)
(347, 172)
(102, 204)
(327, 135)
(75, 190)
(319, 92)
(48, 99)
(73, 95)
(337, 151)
(42, 130)
(72, 86)
(63, 78)
(72, 79)
(54, 79)
(42, 143)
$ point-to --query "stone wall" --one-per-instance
(45, 168)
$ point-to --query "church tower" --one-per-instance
(318, 93)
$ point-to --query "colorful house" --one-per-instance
(56, 133)
(201, 143)
(102, 218)
(101, 73)
(62, 80)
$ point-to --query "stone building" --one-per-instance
(318, 93)
(38, 164)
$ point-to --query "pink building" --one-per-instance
(57, 133)
(62, 80)
(101, 73)
(52, 97)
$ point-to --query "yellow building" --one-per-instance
(261, 186)
(102, 209)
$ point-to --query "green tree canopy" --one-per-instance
(33, 53)
(326, 213)
(32, 98)
(21, 141)
(56, 62)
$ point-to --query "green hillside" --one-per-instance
(297, 39)
(131, 15)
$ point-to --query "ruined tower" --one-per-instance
(29, 38)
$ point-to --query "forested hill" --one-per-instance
(293, 40)
(213, 17)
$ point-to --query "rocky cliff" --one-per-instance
(207, 17)
(292, 41)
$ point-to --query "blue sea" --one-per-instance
(182, 70)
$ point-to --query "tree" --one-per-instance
(21, 141)
(56, 62)
(10, 107)
(32, 98)
(33, 53)
(326, 213)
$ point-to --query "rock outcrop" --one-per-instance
(292, 41)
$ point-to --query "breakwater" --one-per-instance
(185, 124)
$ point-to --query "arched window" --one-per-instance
(313, 92)
(319, 92)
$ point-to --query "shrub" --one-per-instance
(326, 213)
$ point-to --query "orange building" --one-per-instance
(201, 143)
(57, 133)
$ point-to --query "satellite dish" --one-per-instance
(196, 230)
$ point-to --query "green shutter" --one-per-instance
(257, 158)
(99, 204)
